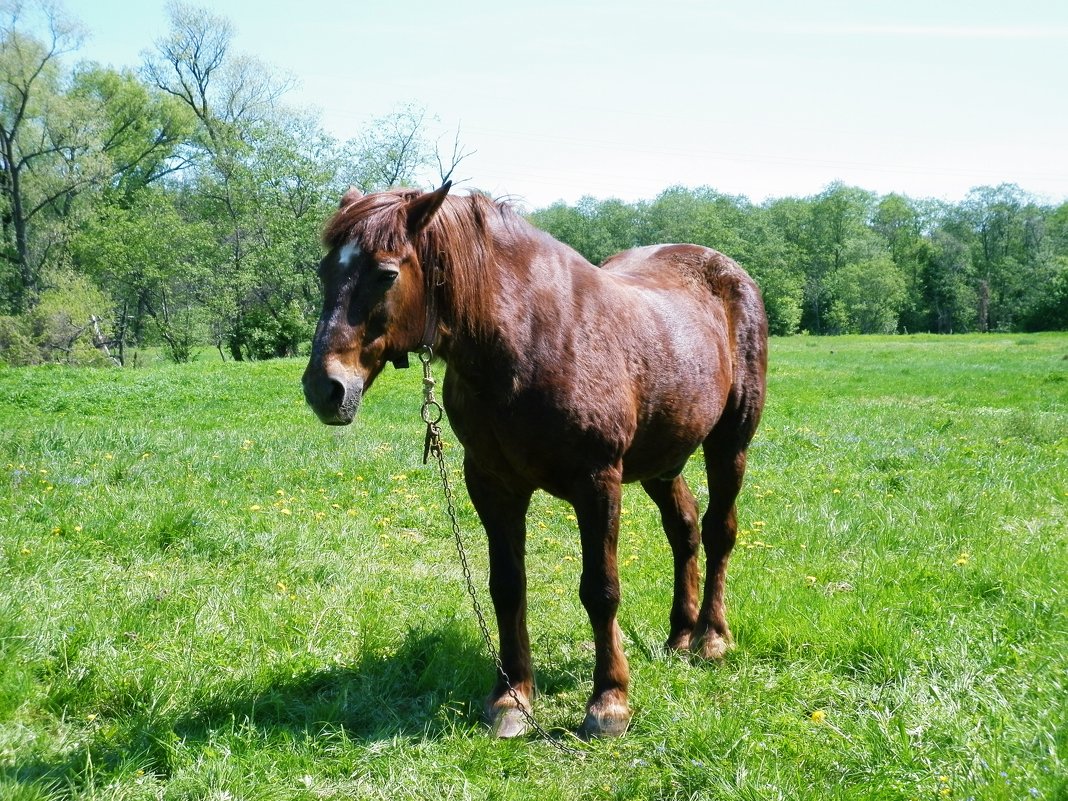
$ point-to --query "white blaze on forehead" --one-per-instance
(347, 253)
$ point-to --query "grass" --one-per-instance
(206, 594)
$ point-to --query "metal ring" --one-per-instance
(431, 412)
(426, 354)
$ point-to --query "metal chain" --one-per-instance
(432, 414)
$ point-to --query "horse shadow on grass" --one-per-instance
(433, 684)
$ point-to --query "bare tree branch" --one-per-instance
(457, 156)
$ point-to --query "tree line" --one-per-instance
(179, 205)
(851, 261)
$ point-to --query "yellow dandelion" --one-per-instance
(811, 579)
(818, 716)
(77, 528)
(280, 492)
(962, 559)
(26, 551)
(285, 511)
(255, 507)
(281, 586)
(836, 491)
(108, 456)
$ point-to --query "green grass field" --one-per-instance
(206, 594)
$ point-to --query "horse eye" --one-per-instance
(387, 274)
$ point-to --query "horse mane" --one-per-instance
(459, 246)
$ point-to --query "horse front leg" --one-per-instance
(597, 510)
(502, 510)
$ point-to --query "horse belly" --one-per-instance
(661, 448)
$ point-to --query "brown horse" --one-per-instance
(564, 377)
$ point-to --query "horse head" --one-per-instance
(375, 302)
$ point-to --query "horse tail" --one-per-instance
(748, 331)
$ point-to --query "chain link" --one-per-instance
(431, 414)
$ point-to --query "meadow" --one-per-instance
(206, 594)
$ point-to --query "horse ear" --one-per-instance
(351, 196)
(422, 209)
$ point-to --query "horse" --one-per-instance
(564, 377)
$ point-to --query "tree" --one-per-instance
(836, 235)
(949, 286)
(899, 221)
(866, 296)
(232, 97)
(142, 130)
(41, 139)
(768, 258)
(156, 264)
(391, 151)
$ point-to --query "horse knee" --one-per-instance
(719, 530)
(507, 589)
(600, 596)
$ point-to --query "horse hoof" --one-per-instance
(612, 722)
(712, 647)
(678, 644)
(508, 722)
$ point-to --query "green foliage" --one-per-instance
(867, 297)
(1048, 309)
(157, 263)
(849, 261)
(60, 328)
(17, 348)
(205, 593)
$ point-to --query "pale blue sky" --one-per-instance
(623, 99)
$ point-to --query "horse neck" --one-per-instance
(493, 296)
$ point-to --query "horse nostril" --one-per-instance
(334, 398)
(337, 393)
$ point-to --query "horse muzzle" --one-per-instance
(335, 398)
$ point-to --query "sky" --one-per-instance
(769, 98)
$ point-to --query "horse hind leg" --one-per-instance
(678, 514)
(719, 530)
